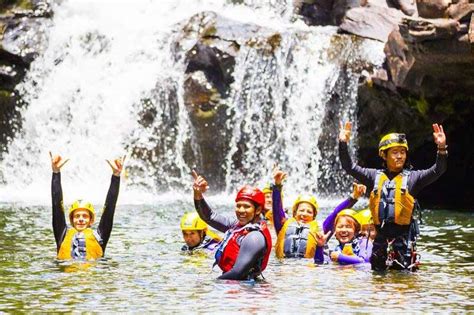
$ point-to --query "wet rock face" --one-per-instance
(382, 22)
(22, 38)
(210, 45)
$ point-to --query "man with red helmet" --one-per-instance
(243, 253)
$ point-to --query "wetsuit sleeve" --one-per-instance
(252, 250)
(365, 176)
(419, 179)
(364, 254)
(319, 256)
(349, 260)
(59, 221)
(328, 224)
(217, 221)
(279, 216)
(107, 218)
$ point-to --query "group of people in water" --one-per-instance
(383, 235)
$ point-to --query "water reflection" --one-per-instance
(144, 270)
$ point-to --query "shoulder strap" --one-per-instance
(377, 180)
(405, 175)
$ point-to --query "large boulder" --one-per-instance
(373, 22)
(428, 75)
(22, 37)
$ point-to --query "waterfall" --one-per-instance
(104, 88)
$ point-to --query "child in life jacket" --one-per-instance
(196, 234)
(352, 247)
(367, 226)
(296, 236)
(79, 241)
(245, 249)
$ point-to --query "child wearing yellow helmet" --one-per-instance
(196, 234)
(392, 200)
(267, 212)
(352, 248)
(367, 227)
(79, 241)
(295, 234)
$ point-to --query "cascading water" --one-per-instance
(104, 88)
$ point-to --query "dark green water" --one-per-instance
(145, 271)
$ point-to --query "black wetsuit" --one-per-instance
(417, 180)
(252, 248)
(106, 220)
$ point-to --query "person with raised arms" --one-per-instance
(79, 241)
(352, 247)
(394, 189)
(245, 249)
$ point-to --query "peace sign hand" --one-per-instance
(439, 136)
(322, 238)
(57, 162)
(345, 131)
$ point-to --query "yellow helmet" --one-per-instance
(306, 198)
(349, 213)
(267, 189)
(192, 222)
(392, 140)
(79, 204)
(364, 217)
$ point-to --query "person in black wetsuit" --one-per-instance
(245, 249)
(393, 192)
(79, 241)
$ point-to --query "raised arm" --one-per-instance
(358, 191)
(252, 250)
(363, 175)
(217, 221)
(419, 179)
(279, 216)
(59, 221)
(107, 218)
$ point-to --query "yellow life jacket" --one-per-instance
(397, 203)
(93, 248)
(297, 239)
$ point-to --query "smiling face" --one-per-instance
(81, 219)
(192, 238)
(395, 157)
(304, 212)
(345, 229)
(246, 212)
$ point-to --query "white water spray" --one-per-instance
(84, 95)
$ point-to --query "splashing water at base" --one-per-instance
(85, 92)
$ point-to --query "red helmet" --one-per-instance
(251, 193)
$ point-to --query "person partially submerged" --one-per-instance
(245, 249)
(196, 234)
(79, 241)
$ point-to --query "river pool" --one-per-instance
(145, 271)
